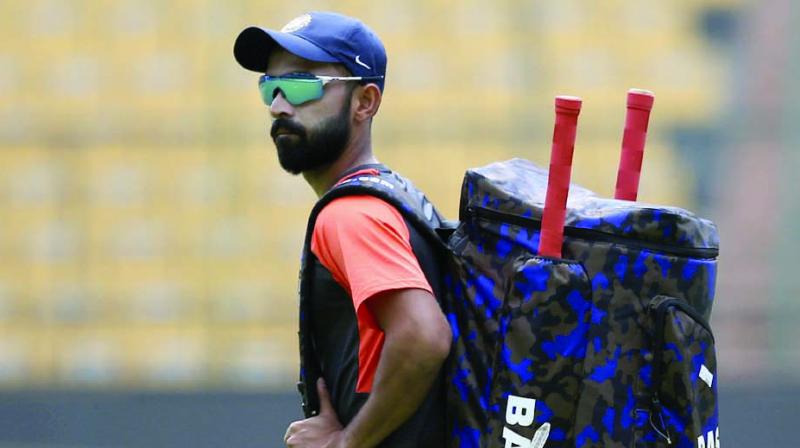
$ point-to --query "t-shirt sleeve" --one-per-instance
(365, 243)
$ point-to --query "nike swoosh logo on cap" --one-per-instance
(358, 61)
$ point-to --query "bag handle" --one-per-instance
(555, 206)
(639, 104)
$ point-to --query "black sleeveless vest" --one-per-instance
(420, 216)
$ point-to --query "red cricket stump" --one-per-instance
(555, 205)
(640, 103)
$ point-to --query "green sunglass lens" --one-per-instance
(296, 91)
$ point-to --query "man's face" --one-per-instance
(313, 134)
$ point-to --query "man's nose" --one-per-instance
(280, 107)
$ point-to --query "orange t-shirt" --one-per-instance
(365, 244)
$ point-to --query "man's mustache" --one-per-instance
(286, 125)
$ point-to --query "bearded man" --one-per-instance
(373, 336)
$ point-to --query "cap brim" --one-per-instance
(254, 44)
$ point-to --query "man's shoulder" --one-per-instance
(357, 210)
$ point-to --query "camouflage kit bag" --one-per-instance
(579, 323)
(607, 346)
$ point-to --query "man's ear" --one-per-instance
(366, 101)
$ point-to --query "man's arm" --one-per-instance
(416, 343)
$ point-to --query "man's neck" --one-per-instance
(358, 152)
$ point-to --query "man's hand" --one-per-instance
(322, 430)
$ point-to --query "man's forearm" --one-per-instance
(404, 376)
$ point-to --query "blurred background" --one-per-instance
(149, 241)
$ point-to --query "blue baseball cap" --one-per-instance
(320, 37)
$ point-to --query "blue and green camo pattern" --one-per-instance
(612, 341)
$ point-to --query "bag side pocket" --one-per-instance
(683, 404)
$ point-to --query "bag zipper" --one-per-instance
(596, 235)
(661, 309)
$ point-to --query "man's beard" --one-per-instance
(306, 150)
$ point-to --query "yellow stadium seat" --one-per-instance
(255, 357)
